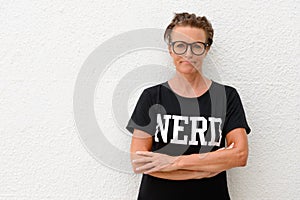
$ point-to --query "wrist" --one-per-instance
(178, 162)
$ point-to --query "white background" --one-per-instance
(44, 44)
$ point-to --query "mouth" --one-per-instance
(187, 62)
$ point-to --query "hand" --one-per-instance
(213, 174)
(153, 162)
(204, 174)
(229, 147)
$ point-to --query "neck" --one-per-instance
(190, 84)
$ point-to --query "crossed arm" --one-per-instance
(194, 166)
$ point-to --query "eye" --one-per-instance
(180, 45)
(197, 46)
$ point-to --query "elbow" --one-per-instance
(134, 166)
(243, 162)
(134, 169)
(136, 172)
(242, 158)
(132, 157)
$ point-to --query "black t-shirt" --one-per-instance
(187, 125)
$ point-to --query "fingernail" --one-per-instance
(133, 161)
(137, 169)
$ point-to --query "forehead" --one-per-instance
(188, 34)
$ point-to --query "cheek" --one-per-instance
(176, 58)
(200, 58)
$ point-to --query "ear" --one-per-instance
(170, 50)
(207, 50)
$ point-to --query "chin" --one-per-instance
(186, 69)
(190, 70)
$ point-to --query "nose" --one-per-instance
(189, 52)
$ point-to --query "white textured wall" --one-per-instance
(43, 46)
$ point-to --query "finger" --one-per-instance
(142, 160)
(145, 167)
(221, 149)
(151, 170)
(230, 146)
(144, 153)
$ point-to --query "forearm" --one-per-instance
(181, 174)
(213, 161)
(235, 155)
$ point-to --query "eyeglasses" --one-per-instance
(180, 47)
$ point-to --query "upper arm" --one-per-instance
(238, 136)
(141, 141)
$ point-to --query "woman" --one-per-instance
(181, 127)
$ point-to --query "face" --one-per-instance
(188, 62)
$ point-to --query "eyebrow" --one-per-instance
(188, 42)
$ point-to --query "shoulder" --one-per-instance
(232, 96)
(228, 89)
(152, 92)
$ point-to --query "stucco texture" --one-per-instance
(45, 43)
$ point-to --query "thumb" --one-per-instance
(230, 146)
